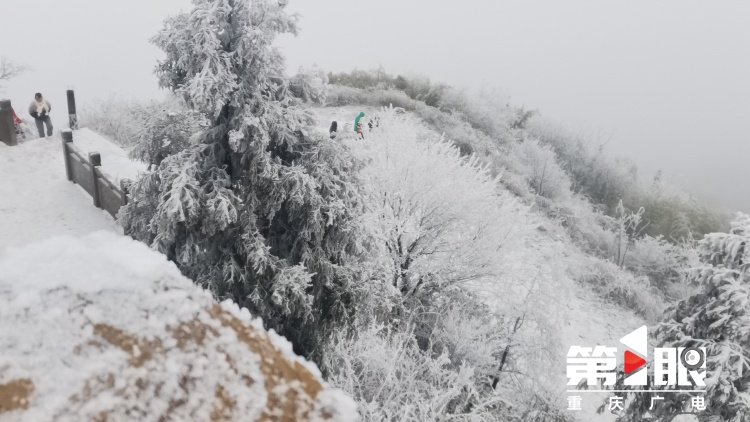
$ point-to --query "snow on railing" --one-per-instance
(85, 172)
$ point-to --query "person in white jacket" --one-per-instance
(39, 110)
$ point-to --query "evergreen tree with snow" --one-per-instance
(718, 318)
(256, 208)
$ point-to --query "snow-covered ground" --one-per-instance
(37, 202)
(101, 327)
(36, 199)
(96, 326)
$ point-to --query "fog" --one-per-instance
(664, 83)
(96, 47)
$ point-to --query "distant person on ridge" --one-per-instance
(374, 122)
(39, 110)
(358, 125)
(334, 128)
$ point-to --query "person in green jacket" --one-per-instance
(358, 125)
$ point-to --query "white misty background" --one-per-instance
(664, 83)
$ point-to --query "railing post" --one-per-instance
(125, 189)
(7, 125)
(67, 137)
(95, 160)
(72, 116)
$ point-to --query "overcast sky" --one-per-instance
(667, 81)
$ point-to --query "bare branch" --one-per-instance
(9, 70)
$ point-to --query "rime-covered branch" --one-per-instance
(10, 70)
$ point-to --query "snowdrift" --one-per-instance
(102, 328)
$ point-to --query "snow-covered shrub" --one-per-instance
(128, 122)
(621, 287)
(629, 226)
(311, 85)
(664, 263)
(113, 117)
(467, 331)
(538, 164)
(590, 228)
(456, 361)
(443, 219)
(715, 318)
(605, 181)
(363, 79)
(416, 87)
(164, 133)
(457, 129)
(676, 215)
(587, 227)
(602, 179)
(487, 110)
(340, 95)
(517, 185)
(392, 378)
(422, 89)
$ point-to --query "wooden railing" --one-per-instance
(84, 170)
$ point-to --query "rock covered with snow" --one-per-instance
(101, 328)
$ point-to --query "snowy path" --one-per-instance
(591, 321)
(36, 199)
(345, 115)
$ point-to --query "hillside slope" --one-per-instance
(565, 312)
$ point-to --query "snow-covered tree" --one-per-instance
(629, 226)
(449, 288)
(311, 85)
(260, 210)
(718, 318)
(164, 131)
(441, 219)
